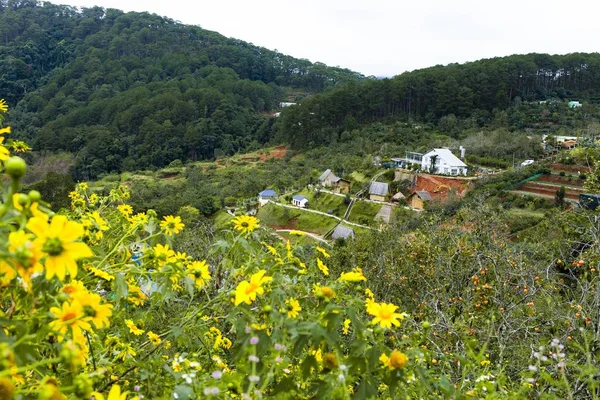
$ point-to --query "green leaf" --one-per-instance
(307, 365)
(365, 390)
(287, 384)
(121, 289)
(184, 392)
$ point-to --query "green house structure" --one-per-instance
(574, 104)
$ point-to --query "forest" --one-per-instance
(476, 90)
(127, 91)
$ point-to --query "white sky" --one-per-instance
(387, 37)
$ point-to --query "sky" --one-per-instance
(387, 37)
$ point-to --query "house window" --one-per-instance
(454, 171)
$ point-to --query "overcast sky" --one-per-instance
(387, 37)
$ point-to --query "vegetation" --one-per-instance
(128, 91)
(144, 282)
(499, 91)
(99, 300)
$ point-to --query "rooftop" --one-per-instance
(268, 193)
(324, 174)
(423, 195)
(342, 232)
(448, 157)
(379, 188)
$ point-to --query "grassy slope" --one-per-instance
(364, 212)
(285, 218)
(325, 202)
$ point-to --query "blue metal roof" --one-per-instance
(268, 193)
(299, 198)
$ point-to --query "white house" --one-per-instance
(442, 161)
(299, 201)
(265, 196)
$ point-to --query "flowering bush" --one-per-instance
(97, 303)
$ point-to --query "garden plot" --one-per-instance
(546, 186)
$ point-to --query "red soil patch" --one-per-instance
(560, 180)
(548, 191)
(571, 168)
(439, 187)
(277, 152)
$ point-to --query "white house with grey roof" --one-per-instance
(443, 162)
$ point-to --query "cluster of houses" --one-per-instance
(270, 195)
(437, 161)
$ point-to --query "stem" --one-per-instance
(29, 367)
(87, 335)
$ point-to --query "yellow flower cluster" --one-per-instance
(82, 310)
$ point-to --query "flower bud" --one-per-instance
(15, 167)
(34, 195)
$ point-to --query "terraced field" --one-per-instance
(546, 186)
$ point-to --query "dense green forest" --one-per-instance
(132, 90)
(478, 91)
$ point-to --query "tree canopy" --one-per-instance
(134, 90)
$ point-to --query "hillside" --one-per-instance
(478, 91)
(127, 91)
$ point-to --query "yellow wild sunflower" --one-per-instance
(346, 327)
(73, 288)
(198, 272)
(153, 338)
(133, 328)
(171, 225)
(4, 153)
(19, 146)
(356, 275)
(246, 291)
(95, 311)
(293, 308)
(136, 296)
(385, 314)
(125, 209)
(396, 360)
(99, 273)
(114, 394)
(70, 316)
(322, 251)
(164, 254)
(322, 267)
(3, 106)
(58, 242)
(245, 223)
